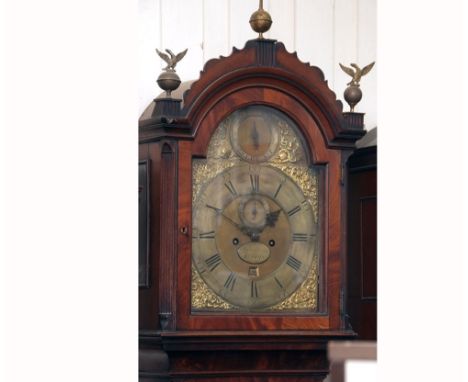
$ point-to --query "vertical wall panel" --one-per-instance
(345, 46)
(148, 62)
(283, 15)
(239, 16)
(323, 32)
(215, 29)
(367, 52)
(182, 27)
(314, 34)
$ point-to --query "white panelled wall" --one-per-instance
(323, 32)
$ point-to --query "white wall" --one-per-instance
(323, 32)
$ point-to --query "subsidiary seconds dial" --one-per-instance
(254, 236)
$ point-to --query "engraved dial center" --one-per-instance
(243, 235)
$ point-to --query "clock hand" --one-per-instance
(253, 234)
(241, 228)
(255, 136)
(231, 221)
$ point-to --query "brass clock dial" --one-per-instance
(255, 217)
(253, 237)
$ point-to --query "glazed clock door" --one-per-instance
(255, 218)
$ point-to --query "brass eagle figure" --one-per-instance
(356, 73)
(171, 60)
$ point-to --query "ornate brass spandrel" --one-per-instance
(290, 149)
(220, 147)
(305, 298)
(203, 298)
(203, 170)
(306, 179)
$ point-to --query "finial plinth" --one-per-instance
(260, 21)
(169, 80)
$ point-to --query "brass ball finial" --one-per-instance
(260, 21)
(168, 81)
(352, 95)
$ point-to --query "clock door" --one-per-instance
(260, 239)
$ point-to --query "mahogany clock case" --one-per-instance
(176, 133)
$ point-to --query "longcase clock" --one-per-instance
(247, 222)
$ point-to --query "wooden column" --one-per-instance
(168, 243)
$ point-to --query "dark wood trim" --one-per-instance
(364, 159)
(148, 297)
(246, 340)
(144, 243)
(362, 306)
(363, 246)
(168, 242)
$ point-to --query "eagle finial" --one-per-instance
(172, 59)
(356, 73)
(353, 93)
(168, 80)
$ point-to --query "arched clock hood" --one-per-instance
(262, 66)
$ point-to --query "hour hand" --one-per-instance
(237, 225)
(253, 234)
(230, 220)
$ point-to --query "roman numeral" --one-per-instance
(294, 263)
(217, 210)
(253, 290)
(294, 210)
(213, 261)
(279, 283)
(299, 237)
(230, 187)
(278, 189)
(207, 235)
(230, 282)
(255, 182)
